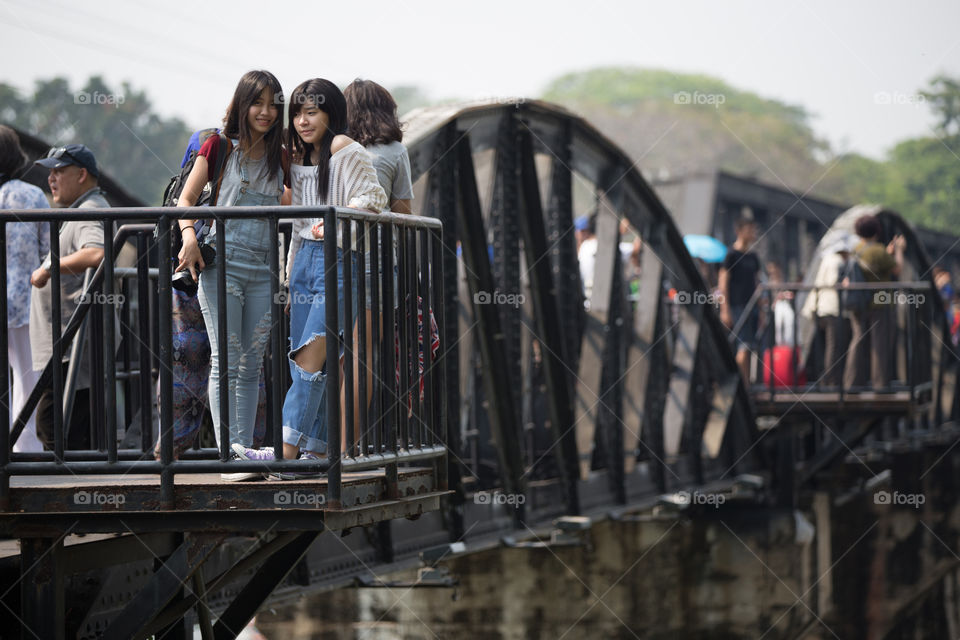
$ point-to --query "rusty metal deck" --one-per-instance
(99, 503)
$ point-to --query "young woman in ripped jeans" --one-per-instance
(253, 176)
(328, 169)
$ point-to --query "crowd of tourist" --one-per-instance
(337, 148)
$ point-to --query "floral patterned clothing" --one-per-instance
(27, 245)
(191, 372)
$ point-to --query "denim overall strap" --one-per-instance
(252, 234)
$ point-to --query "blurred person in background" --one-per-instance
(823, 306)
(738, 280)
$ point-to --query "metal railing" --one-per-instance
(886, 297)
(404, 422)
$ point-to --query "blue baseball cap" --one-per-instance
(77, 154)
(581, 223)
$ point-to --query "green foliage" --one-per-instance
(670, 123)
(944, 98)
(133, 145)
(853, 178)
(658, 119)
(926, 181)
(683, 123)
(625, 87)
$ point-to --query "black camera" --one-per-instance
(183, 281)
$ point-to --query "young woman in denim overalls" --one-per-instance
(253, 176)
(328, 168)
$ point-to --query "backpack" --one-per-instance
(856, 300)
(171, 195)
(211, 190)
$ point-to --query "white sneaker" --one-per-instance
(241, 476)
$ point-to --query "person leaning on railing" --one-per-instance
(73, 183)
(872, 327)
(328, 169)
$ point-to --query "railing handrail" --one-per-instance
(140, 214)
(417, 229)
(770, 290)
(853, 286)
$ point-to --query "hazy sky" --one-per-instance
(856, 66)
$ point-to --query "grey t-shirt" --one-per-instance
(74, 235)
(393, 169)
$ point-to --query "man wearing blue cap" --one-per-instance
(73, 183)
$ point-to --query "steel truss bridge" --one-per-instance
(565, 403)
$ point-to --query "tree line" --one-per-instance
(673, 124)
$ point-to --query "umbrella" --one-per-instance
(706, 248)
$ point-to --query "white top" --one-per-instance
(587, 255)
(353, 183)
(824, 303)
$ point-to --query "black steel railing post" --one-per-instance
(795, 342)
(5, 408)
(388, 380)
(426, 433)
(909, 338)
(334, 444)
(440, 406)
(402, 320)
(223, 359)
(277, 349)
(411, 391)
(95, 427)
(165, 339)
(144, 380)
(126, 338)
(110, 347)
(56, 329)
(376, 314)
(841, 301)
(769, 339)
(360, 439)
(349, 430)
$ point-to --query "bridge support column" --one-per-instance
(163, 587)
(41, 588)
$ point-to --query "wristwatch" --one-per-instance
(47, 265)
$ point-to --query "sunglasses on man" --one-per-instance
(58, 152)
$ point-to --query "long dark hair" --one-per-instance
(372, 113)
(12, 158)
(326, 97)
(237, 125)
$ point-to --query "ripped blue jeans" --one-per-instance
(304, 408)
